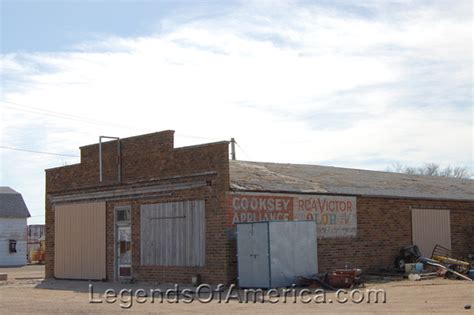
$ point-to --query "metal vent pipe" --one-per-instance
(232, 148)
(119, 158)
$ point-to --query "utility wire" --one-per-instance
(39, 152)
(248, 156)
(36, 110)
(53, 112)
(39, 111)
(196, 137)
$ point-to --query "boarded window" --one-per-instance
(173, 234)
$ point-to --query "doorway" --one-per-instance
(431, 227)
(123, 243)
(80, 241)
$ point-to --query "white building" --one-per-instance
(13, 228)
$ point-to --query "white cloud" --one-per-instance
(295, 84)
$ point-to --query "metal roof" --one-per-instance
(12, 204)
(298, 178)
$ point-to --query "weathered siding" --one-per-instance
(173, 234)
(12, 229)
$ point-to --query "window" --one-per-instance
(123, 215)
(12, 247)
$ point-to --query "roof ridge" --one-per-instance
(357, 169)
(8, 190)
(306, 178)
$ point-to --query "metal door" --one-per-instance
(431, 227)
(124, 252)
(253, 255)
(293, 251)
(79, 241)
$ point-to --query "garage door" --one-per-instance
(79, 251)
(431, 227)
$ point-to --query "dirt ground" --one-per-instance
(25, 292)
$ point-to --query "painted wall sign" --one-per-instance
(254, 208)
(336, 216)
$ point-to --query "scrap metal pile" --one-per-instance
(441, 263)
(409, 261)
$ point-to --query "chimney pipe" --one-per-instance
(232, 148)
(119, 158)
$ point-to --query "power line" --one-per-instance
(39, 152)
(39, 111)
(36, 110)
(53, 112)
(248, 156)
(196, 137)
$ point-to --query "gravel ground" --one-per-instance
(24, 293)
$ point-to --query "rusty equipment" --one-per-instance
(440, 258)
(345, 278)
(408, 254)
(435, 263)
(339, 278)
(443, 255)
(38, 255)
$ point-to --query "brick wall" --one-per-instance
(143, 158)
(384, 224)
(215, 268)
(150, 160)
(383, 227)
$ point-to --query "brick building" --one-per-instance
(154, 212)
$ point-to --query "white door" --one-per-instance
(253, 255)
(124, 252)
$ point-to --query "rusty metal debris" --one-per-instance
(443, 255)
(441, 259)
(339, 278)
(435, 263)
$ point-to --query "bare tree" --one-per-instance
(410, 170)
(461, 172)
(397, 167)
(431, 169)
(447, 172)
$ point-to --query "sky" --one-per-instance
(360, 84)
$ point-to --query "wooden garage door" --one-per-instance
(431, 227)
(79, 251)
